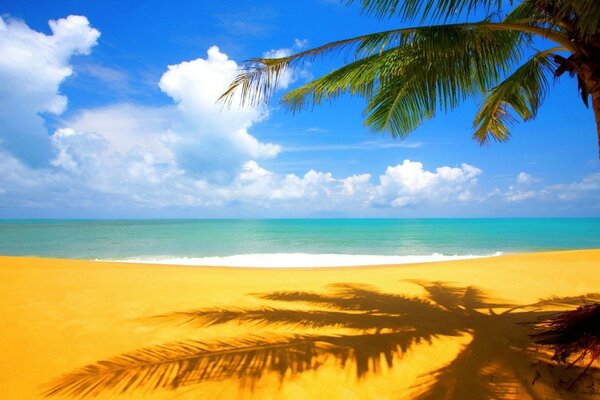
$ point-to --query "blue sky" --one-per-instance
(109, 112)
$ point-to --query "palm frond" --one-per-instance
(435, 9)
(526, 10)
(587, 12)
(581, 18)
(529, 14)
(523, 92)
(357, 78)
(574, 336)
(446, 66)
(258, 80)
(418, 50)
(259, 76)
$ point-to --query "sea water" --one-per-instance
(292, 242)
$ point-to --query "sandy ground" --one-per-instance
(450, 330)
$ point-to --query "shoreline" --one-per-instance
(301, 260)
(59, 315)
(55, 261)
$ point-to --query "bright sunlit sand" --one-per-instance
(438, 330)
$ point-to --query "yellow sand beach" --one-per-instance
(440, 330)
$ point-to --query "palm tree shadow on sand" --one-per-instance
(500, 362)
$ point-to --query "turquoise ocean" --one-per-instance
(292, 242)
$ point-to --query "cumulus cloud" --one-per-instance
(525, 179)
(195, 133)
(199, 134)
(356, 184)
(403, 185)
(135, 154)
(129, 128)
(258, 183)
(408, 183)
(90, 168)
(211, 135)
(32, 67)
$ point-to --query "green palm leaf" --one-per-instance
(436, 9)
(583, 16)
(357, 78)
(257, 82)
(580, 17)
(445, 68)
(522, 92)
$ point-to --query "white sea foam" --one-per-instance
(295, 260)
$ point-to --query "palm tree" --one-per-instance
(379, 326)
(409, 74)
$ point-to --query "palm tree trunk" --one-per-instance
(596, 108)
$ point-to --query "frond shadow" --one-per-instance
(383, 326)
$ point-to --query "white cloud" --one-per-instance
(197, 134)
(409, 183)
(287, 77)
(525, 179)
(130, 128)
(573, 190)
(356, 183)
(255, 184)
(211, 135)
(89, 173)
(78, 152)
(32, 67)
(587, 186)
(402, 185)
(588, 183)
(137, 154)
(515, 195)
